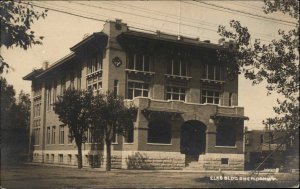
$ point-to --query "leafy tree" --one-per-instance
(112, 117)
(14, 123)
(16, 19)
(73, 109)
(276, 62)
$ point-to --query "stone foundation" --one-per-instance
(152, 160)
(216, 161)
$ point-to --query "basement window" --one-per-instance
(224, 161)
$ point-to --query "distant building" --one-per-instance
(187, 105)
(260, 144)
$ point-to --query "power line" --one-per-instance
(148, 17)
(247, 13)
(91, 18)
(267, 40)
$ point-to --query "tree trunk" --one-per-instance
(108, 155)
(79, 158)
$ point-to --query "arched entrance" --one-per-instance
(192, 139)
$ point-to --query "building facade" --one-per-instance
(188, 112)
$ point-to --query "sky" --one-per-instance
(187, 18)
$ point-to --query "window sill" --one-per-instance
(114, 143)
(178, 77)
(139, 71)
(128, 143)
(159, 144)
(98, 72)
(212, 81)
(225, 147)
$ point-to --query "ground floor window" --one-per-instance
(159, 131)
(226, 135)
(136, 89)
(210, 97)
(60, 158)
(128, 137)
(175, 93)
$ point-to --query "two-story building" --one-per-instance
(187, 105)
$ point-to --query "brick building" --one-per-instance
(187, 106)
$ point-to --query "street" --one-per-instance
(46, 176)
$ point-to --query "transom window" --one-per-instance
(175, 93)
(210, 97)
(94, 64)
(177, 67)
(212, 72)
(136, 89)
(139, 62)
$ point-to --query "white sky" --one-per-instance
(61, 31)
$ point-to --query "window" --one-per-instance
(48, 92)
(224, 161)
(177, 67)
(54, 91)
(230, 99)
(95, 85)
(128, 137)
(62, 85)
(139, 62)
(69, 158)
(52, 158)
(159, 131)
(210, 97)
(116, 88)
(261, 139)
(47, 158)
(48, 135)
(212, 72)
(115, 139)
(79, 80)
(37, 107)
(175, 93)
(53, 134)
(226, 135)
(94, 64)
(61, 134)
(36, 134)
(72, 78)
(60, 158)
(136, 89)
(69, 137)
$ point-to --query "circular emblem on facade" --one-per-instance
(117, 61)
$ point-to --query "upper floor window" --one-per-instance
(79, 80)
(139, 62)
(175, 93)
(136, 89)
(94, 64)
(212, 72)
(72, 78)
(210, 97)
(177, 67)
(48, 136)
(61, 134)
(49, 98)
(54, 91)
(53, 134)
(62, 85)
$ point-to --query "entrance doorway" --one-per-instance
(192, 140)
